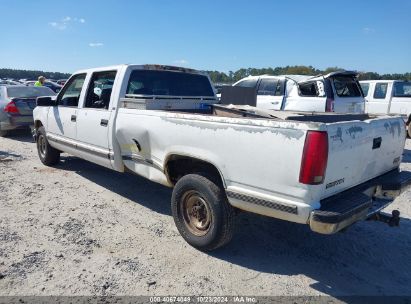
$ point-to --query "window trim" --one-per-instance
(277, 86)
(316, 88)
(368, 89)
(375, 90)
(393, 89)
(83, 106)
(257, 83)
(65, 87)
(356, 83)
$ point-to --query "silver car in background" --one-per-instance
(16, 106)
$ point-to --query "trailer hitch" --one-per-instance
(392, 220)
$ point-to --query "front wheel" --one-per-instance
(47, 154)
(201, 212)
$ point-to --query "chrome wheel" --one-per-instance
(42, 145)
(196, 213)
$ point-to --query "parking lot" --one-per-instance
(80, 229)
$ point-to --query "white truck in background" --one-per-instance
(337, 92)
(163, 123)
(388, 97)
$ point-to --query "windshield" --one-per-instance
(167, 83)
(25, 92)
(346, 87)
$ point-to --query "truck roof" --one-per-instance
(159, 67)
(303, 78)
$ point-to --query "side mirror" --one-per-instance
(46, 101)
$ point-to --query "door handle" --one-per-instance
(73, 118)
(275, 102)
(104, 122)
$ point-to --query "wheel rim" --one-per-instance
(196, 213)
(42, 146)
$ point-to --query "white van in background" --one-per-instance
(335, 92)
(388, 97)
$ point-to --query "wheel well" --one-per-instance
(409, 120)
(177, 166)
(37, 124)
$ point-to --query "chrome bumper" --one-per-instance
(360, 203)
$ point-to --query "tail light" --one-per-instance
(11, 108)
(315, 157)
(329, 105)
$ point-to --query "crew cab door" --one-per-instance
(270, 94)
(378, 98)
(93, 119)
(62, 118)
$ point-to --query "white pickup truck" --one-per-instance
(388, 97)
(325, 170)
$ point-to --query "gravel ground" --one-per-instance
(80, 229)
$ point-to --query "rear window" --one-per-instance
(402, 89)
(346, 87)
(365, 87)
(167, 83)
(25, 92)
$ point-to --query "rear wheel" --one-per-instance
(47, 154)
(201, 212)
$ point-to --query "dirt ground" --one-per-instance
(80, 229)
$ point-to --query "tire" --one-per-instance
(212, 225)
(47, 154)
(409, 130)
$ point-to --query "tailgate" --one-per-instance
(25, 105)
(349, 105)
(362, 150)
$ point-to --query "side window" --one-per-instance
(365, 88)
(402, 89)
(70, 94)
(380, 90)
(99, 90)
(269, 87)
(309, 89)
(247, 83)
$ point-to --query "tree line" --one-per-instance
(31, 74)
(221, 77)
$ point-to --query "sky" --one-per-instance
(68, 35)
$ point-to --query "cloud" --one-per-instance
(368, 30)
(95, 44)
(180, 62)
(58, 25)
(65, 22)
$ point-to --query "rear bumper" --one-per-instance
(16, 122)
(359, 203)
